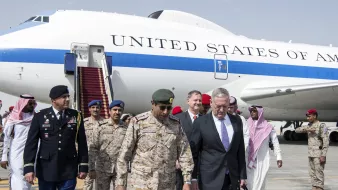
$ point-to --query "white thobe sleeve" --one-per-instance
(245, 132)
(7, 140)
(275, 142)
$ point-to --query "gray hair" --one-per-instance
(220, 92)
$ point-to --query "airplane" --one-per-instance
(174, 50)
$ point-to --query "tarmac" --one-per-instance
(292, 176)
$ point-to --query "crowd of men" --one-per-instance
(210, 146)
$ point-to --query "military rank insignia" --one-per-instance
(46, 124)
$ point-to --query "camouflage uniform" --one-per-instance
(318, 144)
(153, 149)
(90, 124)
(105, 148)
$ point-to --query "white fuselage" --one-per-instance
(149, 54)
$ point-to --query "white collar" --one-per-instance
(226, 117)
(56, 111)
(191, 114)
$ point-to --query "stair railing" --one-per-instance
(107, 82)
(77, 88)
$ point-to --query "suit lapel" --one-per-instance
(52, 116)
(187, 116)
(66, 117)
(234, 127)
(214, 130)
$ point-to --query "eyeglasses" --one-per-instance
(162, 108)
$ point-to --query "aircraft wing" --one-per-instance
(293, 96)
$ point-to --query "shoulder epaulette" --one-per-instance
(172, 117)
(142, 116)
(103, 123)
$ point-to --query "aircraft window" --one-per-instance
(30, 19)
(45, 19)
(38, 19)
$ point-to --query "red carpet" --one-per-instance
(92, 88)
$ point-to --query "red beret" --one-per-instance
(311, 111)
(206, 99)
(176, 110)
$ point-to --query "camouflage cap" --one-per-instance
(164, 96)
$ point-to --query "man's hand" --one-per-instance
(82, 175)
(186, 186)
(311, 130)
(178, 166)
(194, 185)
(120, 187)
(279, 163)
(242, 184)
(322, 160)
(30, 177)
(4, 164)
(92, 174)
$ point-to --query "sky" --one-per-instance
(302, 21)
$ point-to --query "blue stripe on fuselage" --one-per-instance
(53, 56)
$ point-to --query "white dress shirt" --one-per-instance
(192, 116)
(228, 125)
(57, 113)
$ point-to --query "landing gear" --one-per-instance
(334, 136)
(291, 135)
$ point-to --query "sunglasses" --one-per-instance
(255, 106)
(162, 108)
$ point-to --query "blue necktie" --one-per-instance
(225, 139)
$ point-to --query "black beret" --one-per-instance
(164, 96)
(58, 91)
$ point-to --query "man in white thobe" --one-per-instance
(16, 131)
(258, 163)
(232, 109)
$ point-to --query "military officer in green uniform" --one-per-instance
(153, 142)
(318, 144)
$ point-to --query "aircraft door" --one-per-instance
(82, 53)
(221, 66)
(96, 56)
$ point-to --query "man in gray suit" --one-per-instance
(194, 100)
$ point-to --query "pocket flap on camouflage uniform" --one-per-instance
(142, 169)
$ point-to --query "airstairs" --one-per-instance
(91, 69)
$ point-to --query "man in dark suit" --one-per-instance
(217, 138)
(58, 128)
(194, 100)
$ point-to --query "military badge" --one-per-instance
(72, 120)
(325, 130)
(171, 100)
